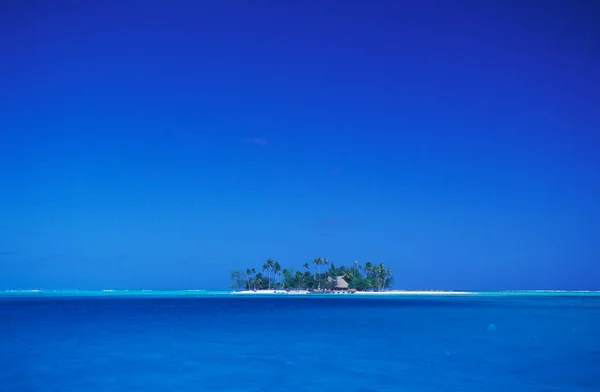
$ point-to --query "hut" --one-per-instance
(340, 283)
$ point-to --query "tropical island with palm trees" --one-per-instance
(320, 276)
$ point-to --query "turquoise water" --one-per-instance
(210, 341)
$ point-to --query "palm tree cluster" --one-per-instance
(360, 277)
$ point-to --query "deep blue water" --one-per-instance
(349, 344)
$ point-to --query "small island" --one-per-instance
(319, 276)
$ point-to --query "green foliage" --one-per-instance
(237, 280)
(359, 277)
(360, 283)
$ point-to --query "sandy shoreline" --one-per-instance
(360, 293)
(281, 293)
(269, 292)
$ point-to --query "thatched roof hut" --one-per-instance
(340, 283)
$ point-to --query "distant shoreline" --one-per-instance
(116, 293)
(359, 293)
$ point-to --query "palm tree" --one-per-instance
(253, 271)
(236, 276)
(258, 281)
(306, 266)
(368, 268)
(389, 279)
(271, 265)
(380, 270)
(318, 261)
(276, 271)
(355, 265)
(299, 277)
(288, 278)
(382, 274)
(267, 268)
(348, 276)
(285, 273)
(248, 273)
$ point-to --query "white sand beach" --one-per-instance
(269, 292)
(366, 293)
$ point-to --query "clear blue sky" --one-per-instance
(162, 144)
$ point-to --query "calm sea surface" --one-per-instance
(297, 343)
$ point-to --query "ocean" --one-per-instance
(197, 341)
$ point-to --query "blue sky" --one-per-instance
(150, 144)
